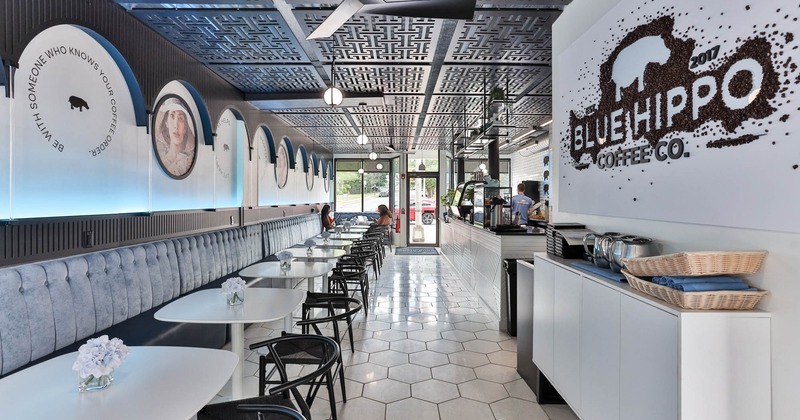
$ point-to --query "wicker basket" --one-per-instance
(719, 299)
(696, 263)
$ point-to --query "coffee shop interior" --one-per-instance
(373, 209)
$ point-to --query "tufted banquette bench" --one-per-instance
(51, 307)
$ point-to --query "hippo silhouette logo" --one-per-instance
(226, 148)
(76, 102)
(631, 62)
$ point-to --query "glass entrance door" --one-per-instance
(423, 209)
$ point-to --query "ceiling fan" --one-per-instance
(443, 9)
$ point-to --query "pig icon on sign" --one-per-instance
(630, 63)
(76, 102)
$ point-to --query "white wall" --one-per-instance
(526, 165)
(779, 272)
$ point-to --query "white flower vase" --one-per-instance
(235, 298)
(286, 265)
(326, 241)
(309, 251)
(95, 383)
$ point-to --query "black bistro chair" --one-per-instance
(300, 352)
(278, 405)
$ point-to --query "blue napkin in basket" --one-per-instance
(602, 272)
(707, 287)
(672, 280)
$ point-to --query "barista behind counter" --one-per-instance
(521, 206)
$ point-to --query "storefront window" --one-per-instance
(357, 192)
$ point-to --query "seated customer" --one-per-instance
(327, 219)
(385, 217)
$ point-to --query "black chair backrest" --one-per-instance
(350, 307)
(330, 355)
(271, 409)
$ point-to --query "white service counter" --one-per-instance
(478, 254)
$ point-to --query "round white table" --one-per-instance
(355, 229)
(299, 270)
(317, 254)
(210, 307)
(344, 235)
(152, 383)
(333, 243)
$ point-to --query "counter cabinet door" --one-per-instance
(566, 336)
(649, 362)
(600, 358)
(543, 291)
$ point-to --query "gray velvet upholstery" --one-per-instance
(51, 305)
(283, 233)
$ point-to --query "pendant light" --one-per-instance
(333, 96)
(372, 154)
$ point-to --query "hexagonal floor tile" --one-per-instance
(350, 358)
(463, 408)
(454, 374)
(515, 409)
(559, 412)
(505, 358)
(520, 389)
(410, 373)
(424, 335)
(374, 325)
(412, 408)
(387, 390)
(444, 346)
(458, 335)
(470, 326)
(353, 389)
(407, 346)
(492, 335)
(481, 346)
(422, 318)
(434, 391)
(462, 311)
(480, 318)
(429, 358)
(371, 345)
(468, 359)
(438, 326)
(510, 345)
(388, 358)
(406, 326)
(366, 372)
(361, 408)
(497, 373)
(389, 335)
(447, 317)
(483, 391)
(390, 317)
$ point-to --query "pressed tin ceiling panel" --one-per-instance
(504, 36)
(373, 38)
(275, 78)
(421, 78)
(220, 36)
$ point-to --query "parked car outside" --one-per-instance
(383, 192)
(428, 213)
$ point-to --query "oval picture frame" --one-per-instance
(282, 166)
(182, 163)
